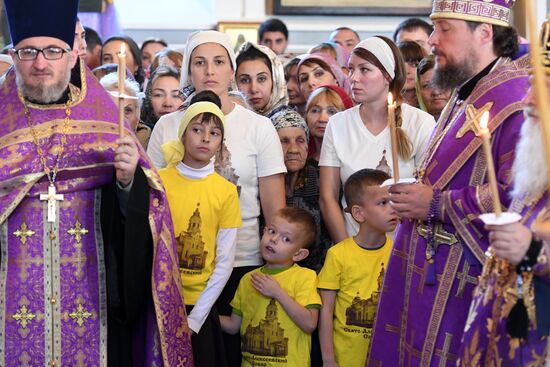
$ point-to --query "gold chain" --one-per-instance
(49, 172)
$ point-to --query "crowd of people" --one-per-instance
(249, 213)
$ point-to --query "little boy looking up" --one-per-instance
(276, 306)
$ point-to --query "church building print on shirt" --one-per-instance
(190, 244)
(223, 167)
(383, 165)
(361, 312)
(268, 338)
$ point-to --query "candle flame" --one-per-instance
(123, 48)
(390, 98)
(484, 122)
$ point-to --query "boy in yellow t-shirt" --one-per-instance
(276, 306)
(350, 281)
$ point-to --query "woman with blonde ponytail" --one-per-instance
(360, 138)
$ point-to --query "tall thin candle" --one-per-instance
(121, 81)
(393, 134)
(493, 187)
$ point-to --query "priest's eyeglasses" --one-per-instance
(31, 53)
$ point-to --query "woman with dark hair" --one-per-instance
(149, 48)
(162, 95)
(412, 53)
(319, 69)
(296, 99)
(360, 138)
(111, 47)
(260, 77)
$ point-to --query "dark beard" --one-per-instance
(450, 77)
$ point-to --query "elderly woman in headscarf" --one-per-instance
(319, 69)
(253, 160)
(261, 78)
(302, 178)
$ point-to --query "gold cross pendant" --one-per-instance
(52, 196)
(473, 117)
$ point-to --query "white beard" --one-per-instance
(530, 170)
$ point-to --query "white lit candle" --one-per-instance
(121, 81)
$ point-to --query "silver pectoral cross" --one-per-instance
(51, 197)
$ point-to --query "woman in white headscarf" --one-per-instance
(359, 137)
(261, 78)
(253, 160)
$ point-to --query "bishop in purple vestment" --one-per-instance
(88, 262)
(439, 247)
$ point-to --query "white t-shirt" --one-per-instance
(350, 146)
(255, 151)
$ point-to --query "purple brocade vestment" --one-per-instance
(424, 303)
(53, 296)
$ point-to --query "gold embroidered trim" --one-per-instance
(440, 302)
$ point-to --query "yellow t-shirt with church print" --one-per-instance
(356, 274)
(199, 208)
(269, 337)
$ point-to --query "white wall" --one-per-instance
(173, 20)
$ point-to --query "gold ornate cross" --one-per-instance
(77, 231)
(23, 316)
(473, 116)
(80, 315)
(52, 196)
(23, 233)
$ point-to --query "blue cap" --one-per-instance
(44, 18)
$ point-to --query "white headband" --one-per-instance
(198, 38)
(380, 49)
(7, 59)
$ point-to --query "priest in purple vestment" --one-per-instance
(439, 249)
(509, 319)
(88, 270)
